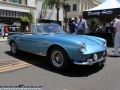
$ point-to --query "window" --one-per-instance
(69, 7)
(8, 13)
(2, 0)
(15, 1)
(74, 7)
(81, 7)
(25, 1)
(13, 13)
(16, 14)
(1, 13)
(5, 13)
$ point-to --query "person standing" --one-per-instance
(72, 26)
(92, 27)
(82, 25)
(2, 31)
(116, 26)
(6, 31)
(26, 28)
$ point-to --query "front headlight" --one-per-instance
(82, 47)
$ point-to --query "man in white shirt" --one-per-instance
(116, 26)
(82, 25)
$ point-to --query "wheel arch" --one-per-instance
(12, 41)
(55, 45)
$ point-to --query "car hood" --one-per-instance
(91, 40)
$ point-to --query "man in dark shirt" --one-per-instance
(72, 26)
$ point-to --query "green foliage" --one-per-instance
(48, 3)
(26, 19)
(52, 3)
(97, 22)
(31, 18)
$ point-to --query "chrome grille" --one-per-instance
(100, 54)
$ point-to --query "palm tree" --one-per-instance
(57, 3)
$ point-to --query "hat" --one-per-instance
(72, 19)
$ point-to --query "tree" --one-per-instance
(97, 22)
(29, 19)
(51, 3)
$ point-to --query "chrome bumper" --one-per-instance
(90, 61)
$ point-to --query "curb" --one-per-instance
(4, 41)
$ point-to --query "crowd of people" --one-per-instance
(81, 28)
(78, 28)
(4, 30)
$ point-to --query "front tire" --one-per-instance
(14, 49)
(59, 59)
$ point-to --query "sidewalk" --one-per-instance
(3, 39)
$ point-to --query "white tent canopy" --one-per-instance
(108, 9)
(108, 4)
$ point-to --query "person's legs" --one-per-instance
(117, 43)
(116, 49)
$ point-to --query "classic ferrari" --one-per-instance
(60, 48)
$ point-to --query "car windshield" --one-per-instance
(49, 29)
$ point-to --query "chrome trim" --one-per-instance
(90, 61)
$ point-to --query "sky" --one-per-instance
(104, 0)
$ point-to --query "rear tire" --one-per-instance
(59, 59)
(14, 48)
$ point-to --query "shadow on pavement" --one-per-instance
(74, 71)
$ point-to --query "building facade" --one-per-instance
(75, 7)
(12, 10)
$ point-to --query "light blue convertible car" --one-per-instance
(62, 49)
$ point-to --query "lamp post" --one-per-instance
(66, 8)
(57, 6)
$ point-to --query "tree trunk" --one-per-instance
(66, 19)
(57, 15)
(30, 27)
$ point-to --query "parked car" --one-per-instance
(62, 49)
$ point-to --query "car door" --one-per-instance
(27, 43)
(42, 45)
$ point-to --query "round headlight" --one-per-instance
(95, 56)
(82, 47)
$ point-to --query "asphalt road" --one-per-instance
(40, 73)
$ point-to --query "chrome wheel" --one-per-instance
(57, 58)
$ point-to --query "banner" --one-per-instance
(107, 13)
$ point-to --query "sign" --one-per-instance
(108, 13)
